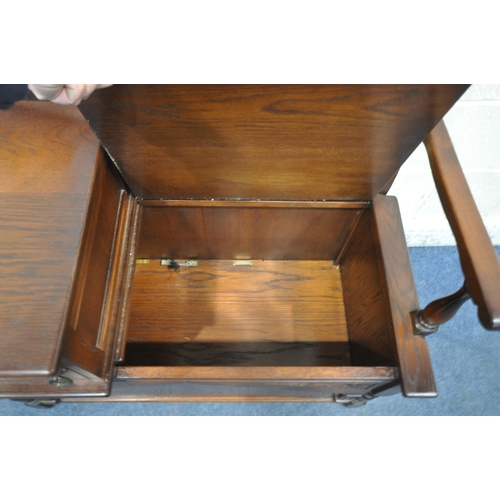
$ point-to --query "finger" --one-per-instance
(46, 91)
(71, 94)
(66, 94)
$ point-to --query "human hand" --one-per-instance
(66, 94)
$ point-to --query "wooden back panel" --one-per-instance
(230, 232)
(282, 142)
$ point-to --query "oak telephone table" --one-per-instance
(225, 243)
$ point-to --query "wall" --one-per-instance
(474, 126)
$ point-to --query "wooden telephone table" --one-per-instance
(225, 243)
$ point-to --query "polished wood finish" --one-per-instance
(287, 176)
(273, 313)
(67, 260)
(479, 261)
(238, 384)
(91, 329)
(34, 387)
(413, 356)
(86, 358)
(129, 252)
(277, 142)
(243, 233)
(367, 313)
(47, 158)
(255, 204)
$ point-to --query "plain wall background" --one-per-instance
(474, 127)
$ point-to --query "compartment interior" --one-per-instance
(268, 288)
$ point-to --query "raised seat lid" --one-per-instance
(268, 142)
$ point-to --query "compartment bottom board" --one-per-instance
(272, 313)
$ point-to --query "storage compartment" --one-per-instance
(257, 285)
(325, 310)
(326, 307)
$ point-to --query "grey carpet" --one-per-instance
(466, 361)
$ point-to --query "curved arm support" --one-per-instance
(477, 255)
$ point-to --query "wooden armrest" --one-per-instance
(478, 258)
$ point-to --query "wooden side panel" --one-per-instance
(129, 251)
(95, 322)
(85, 341)
(245, 383)
(47, 158)
(367, 312)
(413, 355)
(278, 142)
(243, 233)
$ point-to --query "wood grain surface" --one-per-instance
(367, 313)
(274, 312)
(277, 142)
(243, 233)
(285, 175)
(90, 332)
(413, 355)
(264, 384)
(47, 157)
(255, 204)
